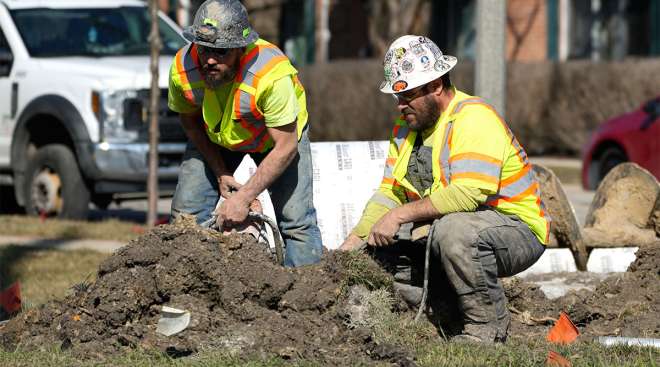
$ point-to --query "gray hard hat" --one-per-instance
(221, 24)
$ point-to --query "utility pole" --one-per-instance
(152, 180)
(322, 33)
(490, 73)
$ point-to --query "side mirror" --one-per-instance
(6, 60)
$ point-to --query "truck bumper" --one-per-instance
(125, 167)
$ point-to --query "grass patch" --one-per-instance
(46, 273)
(358, 268)
(112, 229)
(436, 354)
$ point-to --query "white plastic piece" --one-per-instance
(554, 260)
(634, 342)
(245, 170)
(611, 260)
(346, 174)
(172, 321)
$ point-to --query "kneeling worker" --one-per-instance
(238, 94)
(452, 160)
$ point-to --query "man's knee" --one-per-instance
(454, 236)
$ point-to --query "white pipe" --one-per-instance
(635, 342)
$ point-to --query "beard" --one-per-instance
(423, 117)
(213, 81)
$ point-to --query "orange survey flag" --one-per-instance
(10, 298)
(564, 331)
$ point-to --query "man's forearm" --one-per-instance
(272, 167)
(416, 211)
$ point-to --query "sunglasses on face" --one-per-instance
(409, 96)
(219, 52)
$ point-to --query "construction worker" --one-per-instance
(453, 161)
(238, 94)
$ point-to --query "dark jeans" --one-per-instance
(197, 193)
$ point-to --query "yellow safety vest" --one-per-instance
(244, 128)
(518, 193)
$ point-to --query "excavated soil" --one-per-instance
(240, 301)
(243, 303)
(626, 304)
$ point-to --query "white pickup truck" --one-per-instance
(74, 86)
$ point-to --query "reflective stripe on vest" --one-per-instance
(260, 58)
(518, 187)
(187, 67)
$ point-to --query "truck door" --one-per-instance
(7, 99)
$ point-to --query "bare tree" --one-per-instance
(519, 35)
(152, 181)
(389, 19)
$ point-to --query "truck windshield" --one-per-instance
(95, 32)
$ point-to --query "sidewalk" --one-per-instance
(104, 246)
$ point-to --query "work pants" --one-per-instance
(469, 251)
(292, 196)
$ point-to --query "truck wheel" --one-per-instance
(102, 201)
(8, 204)
(55, 187)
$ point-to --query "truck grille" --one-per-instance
(169, 124)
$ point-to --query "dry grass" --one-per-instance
(112, 229)
(46, 274)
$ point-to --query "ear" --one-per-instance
(435, 87)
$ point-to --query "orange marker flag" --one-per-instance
(564, 331)
(10, 298)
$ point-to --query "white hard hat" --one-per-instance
(412, 61)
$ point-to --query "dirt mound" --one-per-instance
(626, 304)
(239, 301)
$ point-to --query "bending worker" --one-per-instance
(454, 161)
(238, 94)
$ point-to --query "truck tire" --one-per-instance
(55, 187)
(8, 204)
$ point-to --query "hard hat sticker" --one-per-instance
(399, 85)
(416, 48)
(407, 66)
(246, 32)
(209, 21)
(399, 52)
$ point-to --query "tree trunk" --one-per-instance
(152, 180)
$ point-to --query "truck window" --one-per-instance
(121, 31)
(6, 58)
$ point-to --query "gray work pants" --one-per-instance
(474, 249)
(469, 251)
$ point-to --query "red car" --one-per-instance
(631, 137)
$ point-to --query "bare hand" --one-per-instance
(382, 233)
(352, 242)
(233, 211)
(227, 185)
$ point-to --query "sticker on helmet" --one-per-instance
(426, 62)
(399, 52)
(399, 85)
(246, 32)
(407, 66)
(383, 84)
(416, 48)
(210, 21)
(388, 58)
(441, 66)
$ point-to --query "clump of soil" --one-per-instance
(626, 304)
(240, 301)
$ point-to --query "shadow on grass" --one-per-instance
(45, 273)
